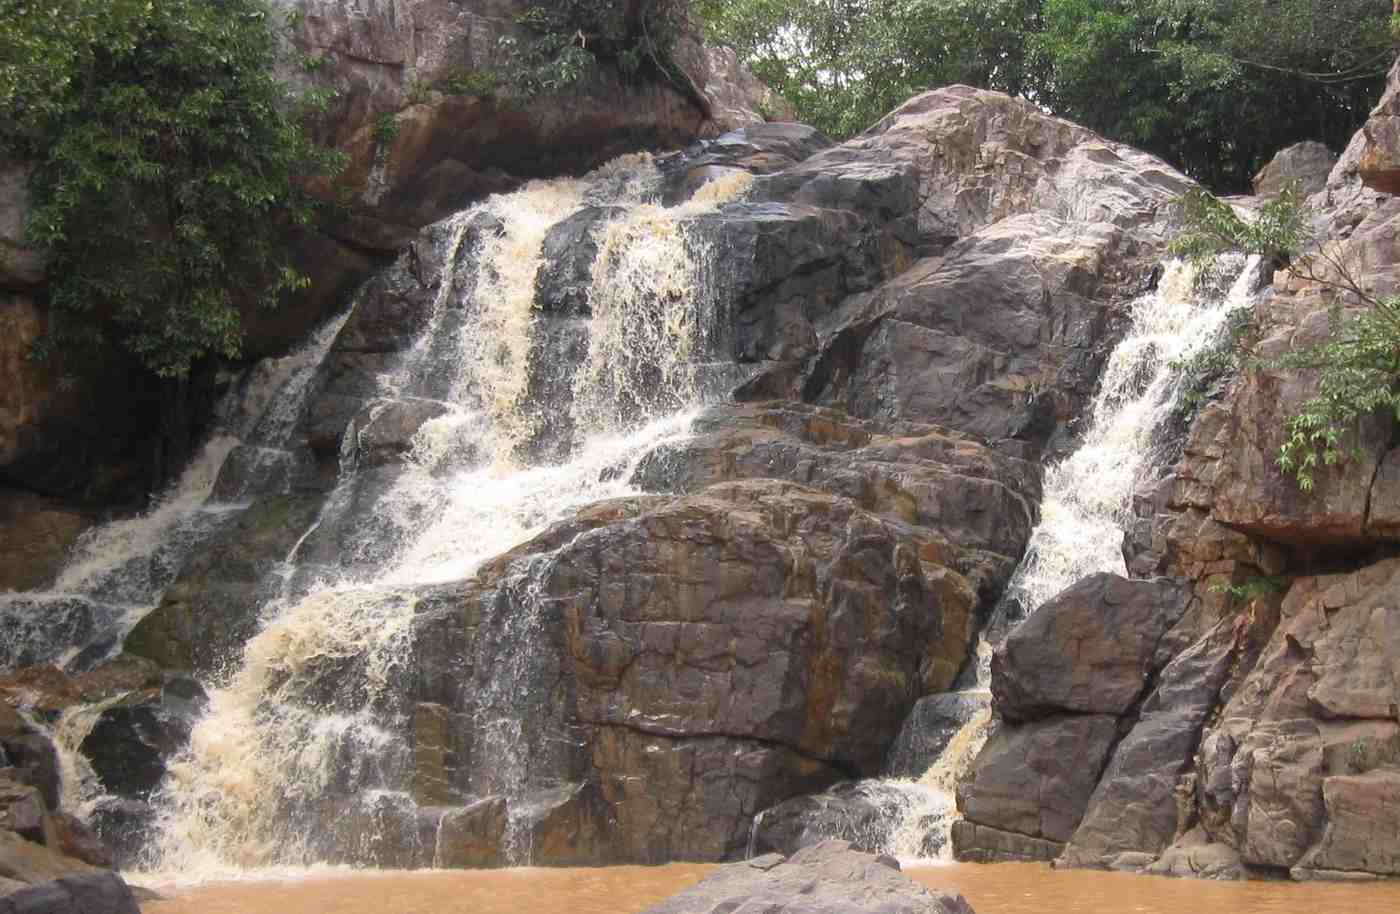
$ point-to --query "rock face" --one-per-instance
(826, 877)
(425, 111)
(418, 112)
(1307, 165)
(911, 319)
(1255, 714)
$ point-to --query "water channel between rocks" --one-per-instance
(1012, 888)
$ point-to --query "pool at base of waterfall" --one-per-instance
(1011, 888)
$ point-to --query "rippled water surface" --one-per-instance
(1004, 889)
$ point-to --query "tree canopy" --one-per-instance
(165, 154)
(1215, 86)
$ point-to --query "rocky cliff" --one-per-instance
(909, 322)
(1241, 719)
(859, 357)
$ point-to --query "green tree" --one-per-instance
(1214, 86)
(166, 156)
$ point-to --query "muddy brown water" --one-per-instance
(1003, 889)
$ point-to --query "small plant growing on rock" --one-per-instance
(1252, 589)
(1358, 366)
(385, 129)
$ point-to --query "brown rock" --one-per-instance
(30, 863)
(1088, 650)
(1035, 779)
(36, 534)
(471, 836)
(70, 837)
(1363, 825)
(822, 878)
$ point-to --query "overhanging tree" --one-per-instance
(166, 154)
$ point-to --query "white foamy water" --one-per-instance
(1088, 496)
(1085, 510)
(304, 758)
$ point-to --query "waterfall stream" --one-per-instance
(303, 756)
(1086, 507)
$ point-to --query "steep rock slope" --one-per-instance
(913, 317)
(1261, 738)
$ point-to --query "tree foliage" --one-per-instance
(166, 153)
(1215, 86)
(571, 36)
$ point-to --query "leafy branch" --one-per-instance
(1357, 366)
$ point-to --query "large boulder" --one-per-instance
(1090, 650)
(826, 877)
(1034, 781)
(1305, 165)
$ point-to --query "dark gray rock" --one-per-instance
(934, 721)
(1137, 806)
(1090, 649)
(863, 813)
(29, 755)
(211, 610)
(124, 826)
(822, 879)
(133, 739)
(95, 893)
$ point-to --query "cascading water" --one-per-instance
(1085, 510)
(1088, 495)
(304, 757)
(119, 570)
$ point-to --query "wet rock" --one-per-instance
(124, 826)
(385, 430)
(1035, 779)
(863, 813)
(975, 843)
(22, 811)
(132, 740)
(1088, 650)
(1306, 164)
(211, 610)
(566, 826)
(70, 837)
(31, 863)
(29, 756)
(929, 728)
(472, 836)
(826, 877)
(96, 893)
(36, 534)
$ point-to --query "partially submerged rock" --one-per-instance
(823, 878)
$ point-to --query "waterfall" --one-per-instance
(118, 571)
(304, 756)
(1088, 495)
(1086, 508)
